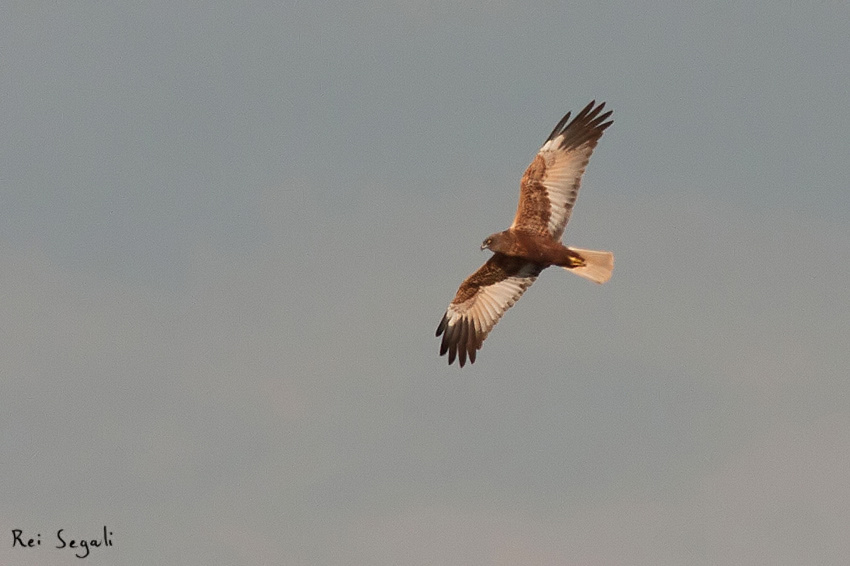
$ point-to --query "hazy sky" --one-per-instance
(228, 232)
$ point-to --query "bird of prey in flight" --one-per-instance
(548, 192)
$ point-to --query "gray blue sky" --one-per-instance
(229, 230)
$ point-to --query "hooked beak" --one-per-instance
(483, 246)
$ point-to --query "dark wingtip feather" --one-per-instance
(588, 115)
(588, 125)
(461, 342)
(442, 326)
(588, 108)
(558, 128)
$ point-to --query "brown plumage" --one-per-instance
(548, 192)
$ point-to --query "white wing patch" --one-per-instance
(562, 179)
(490, 303)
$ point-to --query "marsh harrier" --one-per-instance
(548, 192)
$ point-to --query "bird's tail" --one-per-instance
(597, 267)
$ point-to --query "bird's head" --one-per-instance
(495, 242)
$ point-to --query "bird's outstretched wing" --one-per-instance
(481, 301)
(549, 187)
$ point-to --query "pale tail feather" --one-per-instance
(598, 265)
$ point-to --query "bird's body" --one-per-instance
(548, 191)
(542, 250)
